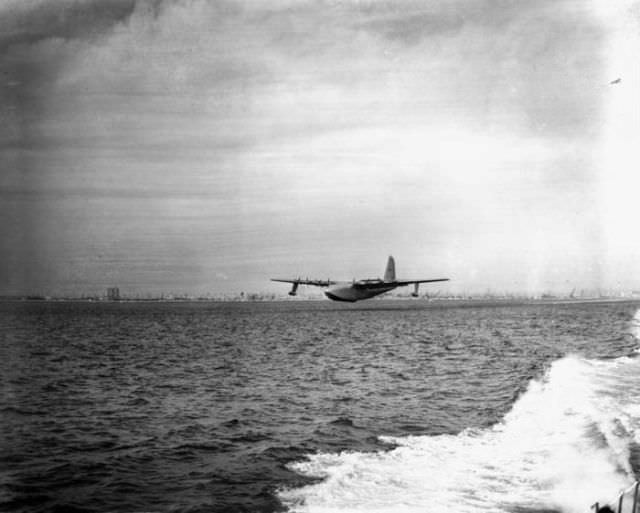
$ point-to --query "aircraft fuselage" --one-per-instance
(351, 292)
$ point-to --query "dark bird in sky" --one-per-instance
(616, 81)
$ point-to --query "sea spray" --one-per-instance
(564, 445)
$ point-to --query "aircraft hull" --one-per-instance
(351, 294)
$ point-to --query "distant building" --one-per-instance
(113, 294)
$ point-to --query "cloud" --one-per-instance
(243, 64)
(31, 21)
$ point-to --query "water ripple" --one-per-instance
(203, 406)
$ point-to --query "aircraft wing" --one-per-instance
(307, 281)
(401, 283)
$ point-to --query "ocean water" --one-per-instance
(380, 406)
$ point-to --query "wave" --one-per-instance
(635, 326)
(568, 441)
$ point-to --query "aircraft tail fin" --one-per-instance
(390, 271)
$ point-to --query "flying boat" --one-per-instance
(357, 290)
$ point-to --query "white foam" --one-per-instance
(564, 445)
(635, 327)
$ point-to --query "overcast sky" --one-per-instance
(192, 146)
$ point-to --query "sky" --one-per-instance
(204, 147)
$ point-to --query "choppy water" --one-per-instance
(316, 407)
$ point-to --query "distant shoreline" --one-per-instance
(434, 301)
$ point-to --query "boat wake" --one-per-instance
(570, 440)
